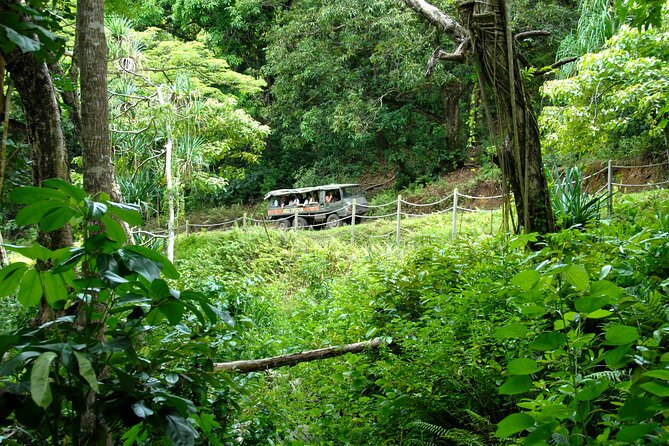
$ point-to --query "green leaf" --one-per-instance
(25, 43)
(592, 390)
(511, 331)
(40, 388)
(516, 385)
(141, 410)
(617, 357)
(10, 277)
(129, 213)
(34, 252)
(638, 409)
(95, 209)
(179, 431)
(114, 229)
(30, 292)
(577, 276)
(86, 371)
(548, 341)
(55, 290)
(522, 366)
(56, 218)
(660, 374)
(631, 434)
(656, 388)
(166, 267)
(34, 212)
(525, 280)
(173, 311)
(31, 194)
(73, 192)
(599, 314)
(606, 289)
(589, 304)
(621, 334)
(514, 423)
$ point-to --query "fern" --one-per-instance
(611, 375)
(456, 436)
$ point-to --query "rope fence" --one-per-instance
(604, 180)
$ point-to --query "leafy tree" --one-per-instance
(616, 104)
(171, 114)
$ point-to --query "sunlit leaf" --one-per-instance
(40, 387)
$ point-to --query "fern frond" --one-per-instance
(429, 428)
(611, 375)
(479, 424)
(463, 437)
(414, 442)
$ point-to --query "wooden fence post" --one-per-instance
(295, 219)
(609, 188)
(186, 228)
(455, 212)
(353, 221)
(244, 220)
(399, 217)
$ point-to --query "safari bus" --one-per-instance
(325, 206)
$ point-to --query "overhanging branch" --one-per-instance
(435, 16)
(439, 55)
(529, 34)
(557, 64)
(258, 365)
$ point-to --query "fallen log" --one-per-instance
(257, 365)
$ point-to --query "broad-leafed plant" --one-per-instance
(123, 351)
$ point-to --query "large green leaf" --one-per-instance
(54, 289)
(512, 424)
(34, 212)
(656, 388)
(660, 374)
(31, 194)
(621, 334)
(633, 433)
(30, 292)
(577, 276)
(140, 409)
(179, 431)
(173, 311)
(549, 341)
(86, 371)
(592, 390)
(515, 385)
(10, 277)
(522, 366)
(167, 268)
(129, 213)
(114, 229)
(525, 280)
(511, 331)
(75, 193)
(56, 218)
(40, 387)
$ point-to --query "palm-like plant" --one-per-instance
(573, 204)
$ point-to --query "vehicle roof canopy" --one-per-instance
(303, 190)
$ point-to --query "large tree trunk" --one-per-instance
(500, 73)
(485, 33)
(33, 83)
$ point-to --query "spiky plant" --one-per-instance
(573, 204)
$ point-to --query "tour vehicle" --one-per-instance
(320, 206)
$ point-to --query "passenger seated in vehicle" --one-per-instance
(313, 199)
(329, 197)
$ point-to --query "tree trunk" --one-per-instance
(520, 145)
(92, 51)
(33, 83)
(490, 40)
(257, 365)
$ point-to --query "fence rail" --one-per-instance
(402, 207)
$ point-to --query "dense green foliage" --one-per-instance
(467, 320)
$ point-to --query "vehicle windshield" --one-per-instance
(351, 191)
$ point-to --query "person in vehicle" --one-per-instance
(329, 198)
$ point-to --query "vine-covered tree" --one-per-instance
(486, 38)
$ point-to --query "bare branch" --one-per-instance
(438, 18)
(557, 64)
(529, 34)
(439, 54)
(257, 365)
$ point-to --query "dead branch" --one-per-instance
(439, 54)
(529, 34)
(257, 365)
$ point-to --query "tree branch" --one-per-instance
(435, 16)
(439, 54)
(557, 64)
(529, 34)
(257, 365)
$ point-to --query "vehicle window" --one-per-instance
(351, 191)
